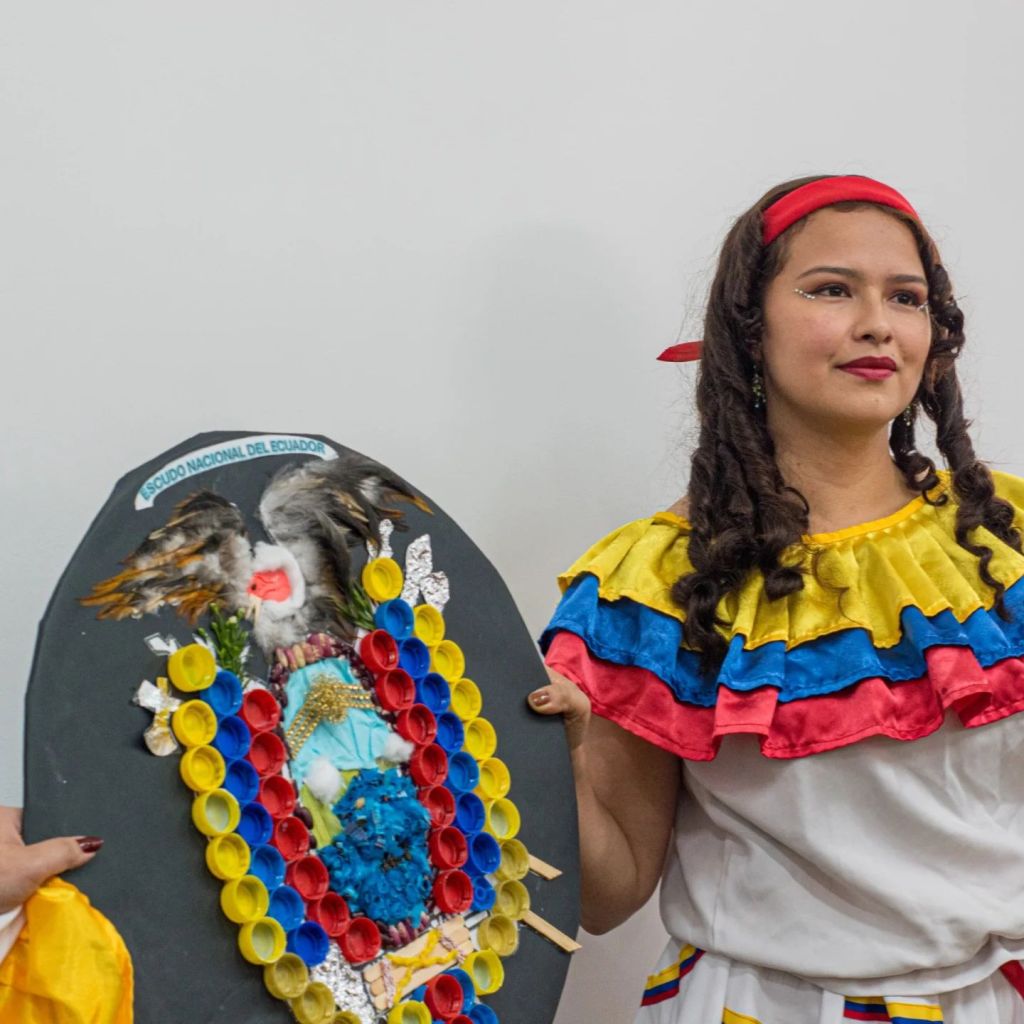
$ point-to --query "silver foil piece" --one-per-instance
(346, 985)
(384, 551)
(420, 577)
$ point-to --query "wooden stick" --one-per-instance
(550, 932)
(542, 868)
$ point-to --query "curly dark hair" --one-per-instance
(743, 516)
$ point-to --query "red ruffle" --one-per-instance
(639, 701)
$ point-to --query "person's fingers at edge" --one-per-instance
(10, 823)
(54, 856)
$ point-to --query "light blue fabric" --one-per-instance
(356, 742)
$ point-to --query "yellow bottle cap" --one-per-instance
(192, 667)
(448, 660)
(410, 1012)
(503, 818)
(486, 970)
(202, 769)
(515, 861)
(228, 856)
(262, 942)
(495, 779)
(244, 899)
(428, 624)
(215, 812)
(512, 899)
(315, 1005)
(499, 934)
(287, 978)
(481, 740)
(467, 701)
(194, 723)
(347, 1017)
(382, 579)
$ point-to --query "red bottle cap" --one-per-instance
(444, 996)
(309, 877)
(267, 754)
(379, 650)
(396, 690)
(453, 891)
(428, 765)
(360, 941)
(448, 848)
(440, 802)
(277, 794)
(330, 912)
(291, 837)
(260, 711)
(418, 725)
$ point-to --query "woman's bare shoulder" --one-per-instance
(681, 508)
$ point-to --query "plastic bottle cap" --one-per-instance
(192, 668)
(395, 617)
(453, 891)
(228, 856)
(379, 651)
(486, 970)
(331, 912)
(468, 988)
(382, 579)
(482, 1014)
(440, 803)
(460, 1018)
(515, 860)
(262, 942)
(450, 734)
(512, 900)
(495, 779)
(277, 794)
(443, 996)
(467, 701)
(448, 659)
(348, 1017)
(215, 812)
(463, 772)
(315, 1005)
(360, 941)
(309, 941)
(241, 781)
(202, 769)
(503, 818)
(224, 694)
(409, 1012)
(448, 848)
(481, 739)
(287, 978)
(244, 899)
(194, 723)
(268, 866)
(414, 657)
(286, 907)
(428, 624)
(254, 824)
(232, 738)
(309, 876)
(428, 765)
(434, 691)
(267, 754)
(395, 690)
(418, 725)
(483, 894)
(499, 934)
(484, 854)
(291, 837)
(260, 710)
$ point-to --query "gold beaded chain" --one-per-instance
(328, 700)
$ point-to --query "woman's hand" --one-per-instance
(24, 868)
(563, 697)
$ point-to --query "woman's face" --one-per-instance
(852, 289)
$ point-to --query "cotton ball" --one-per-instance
(324, 781)
(397, 750)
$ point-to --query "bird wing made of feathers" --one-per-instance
(201, 556)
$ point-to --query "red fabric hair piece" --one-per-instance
(684, 352)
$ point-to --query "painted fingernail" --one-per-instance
(540, 699)
(90, 844)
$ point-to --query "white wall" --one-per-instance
(269, 215)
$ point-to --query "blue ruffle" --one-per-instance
(628, 633)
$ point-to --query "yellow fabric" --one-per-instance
(68, 964)
(910, 558)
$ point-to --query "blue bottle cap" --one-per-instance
(396, 617)
(233, 737)
(287, 907)
(224, 694)
(255, 825)
(468, 988)
(469, 813)
(481, 1013)
(463, 772)
(414, 657)
(484, 854)
(241, 781)
(268, 866)
(450, 734)
(417, 994)
(434, 691)
(310, 943)
(483, 893)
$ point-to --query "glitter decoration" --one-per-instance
(420, 577)
(346, 985)
(384, 551)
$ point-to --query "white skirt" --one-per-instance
(690, 986)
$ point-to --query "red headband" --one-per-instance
(796, 205)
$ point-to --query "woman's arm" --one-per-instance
(626, 793)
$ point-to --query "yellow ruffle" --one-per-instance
(67, 966)
(908, 559)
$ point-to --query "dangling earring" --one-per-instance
(908, 415)
(757, 387)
